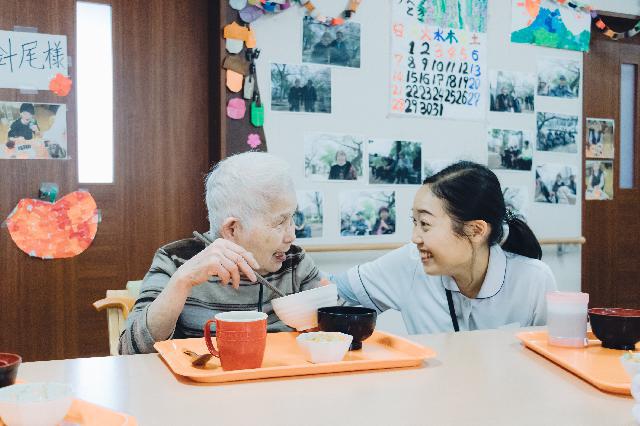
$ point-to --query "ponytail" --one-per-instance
(521, 239)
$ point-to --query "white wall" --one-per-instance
(360, 98)
(628, 7)
(360, 106)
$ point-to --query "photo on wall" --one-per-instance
(333, 157)
(309, 214)
(556, 184)
(516, 199)
(332, 45)
(558, 78)
(300, 88)
(512, 91)
(510, 149)
(367, 213)
(557, 132)
(394, 162)
(600, 138)
(33, 131)
(599, 180)
(431, 167)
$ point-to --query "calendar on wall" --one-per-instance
(438, 59)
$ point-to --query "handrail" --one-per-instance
(320, 248)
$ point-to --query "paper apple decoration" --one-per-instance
(55, 230)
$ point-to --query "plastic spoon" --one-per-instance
(196, 359)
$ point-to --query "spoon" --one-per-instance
(196, 359)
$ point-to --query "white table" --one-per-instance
(482, 377)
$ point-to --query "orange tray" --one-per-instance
(283, 357)
(597, 365)
(84, 413)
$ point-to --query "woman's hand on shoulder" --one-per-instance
(223, 259)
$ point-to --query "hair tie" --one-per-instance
(510, 215)
(505, 232)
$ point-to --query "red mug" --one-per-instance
(241, 337)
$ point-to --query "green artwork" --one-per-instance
(469, 15)
(545, 23)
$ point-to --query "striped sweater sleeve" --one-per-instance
(307, 273)
(136, 337)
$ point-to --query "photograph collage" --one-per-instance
(306, 87)
(340, 158)
(514, 149)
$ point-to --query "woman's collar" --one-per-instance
(493, 281)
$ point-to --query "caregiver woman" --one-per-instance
(472, 265)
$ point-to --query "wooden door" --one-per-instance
(162, 150)
(611, 255)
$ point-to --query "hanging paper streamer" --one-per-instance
(548, 23)
(438, 60)
(575, 5)
(313, 11)
(606, 30)
(57, 230)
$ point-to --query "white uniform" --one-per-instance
(513, 292)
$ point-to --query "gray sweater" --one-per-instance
(297, 273)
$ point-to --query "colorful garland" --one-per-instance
(606, 30)
(599, 23)
(577, 6)
(351, 9)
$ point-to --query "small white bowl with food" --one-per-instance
(35, 404)
(322, 346)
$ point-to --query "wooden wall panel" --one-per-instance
(162, 148)
(166, 146)
(611, 255)
(38, 291)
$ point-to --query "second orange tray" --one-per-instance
(597, 365)
(283, 357)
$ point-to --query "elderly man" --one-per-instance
(251, 202)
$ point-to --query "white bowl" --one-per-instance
(631, 363)
(300, 310)
(35, 404)
(324, 346)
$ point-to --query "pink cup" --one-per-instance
(567, 318)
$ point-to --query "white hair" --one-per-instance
(245, 186)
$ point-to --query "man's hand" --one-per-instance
(223, 259)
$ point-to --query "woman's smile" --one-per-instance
(425, 255)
